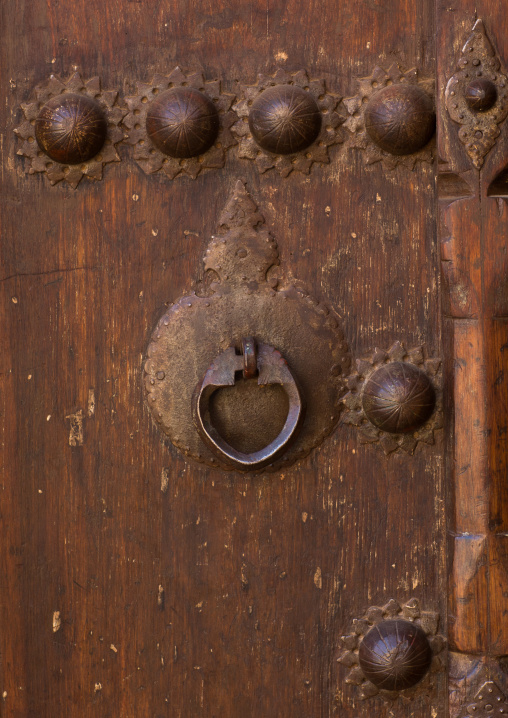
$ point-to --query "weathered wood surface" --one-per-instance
(474, 253)
(219, 594)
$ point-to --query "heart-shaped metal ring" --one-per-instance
(271, 368)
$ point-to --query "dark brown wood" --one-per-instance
(136, 582)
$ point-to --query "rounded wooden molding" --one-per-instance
(481, 94)
(71, 128)
(400, 119)
(395, 655)
(182, 122)
(285, 119)
(398, 398)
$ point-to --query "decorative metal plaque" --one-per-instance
(200, 340)
(476, 95)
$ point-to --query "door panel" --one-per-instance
(139, 582)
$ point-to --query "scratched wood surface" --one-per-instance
(135, 583)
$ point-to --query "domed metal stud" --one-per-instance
(71, 128)
(285, 119)
(391, 648)
(395, 398)
(287, 122)
(391, 133)
(395, 655)
(481, 95)
(400, 119)
(182, 122)
(477, 86)
(398, 398)
(179, 124)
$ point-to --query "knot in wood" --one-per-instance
(400, 119)
(182, 122)
(71, 128)
(284, 119)
(398, 398)
(395, 655)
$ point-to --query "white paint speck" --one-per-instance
(98, 687)
(378, 198)
(14, 300)
(76, 428)
(160, 597)
(164, 480)
(135, 197)
(48, 417)
(91, 402)
(155, 232)
(305, 516)
(114, 648)
(57, 621)
(318, 579)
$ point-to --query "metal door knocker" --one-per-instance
(231, 364)
(265, 362)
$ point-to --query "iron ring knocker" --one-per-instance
(259, 360)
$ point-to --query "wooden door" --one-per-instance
(364, 573)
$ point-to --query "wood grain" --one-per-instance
(219, 594)
(473, 234)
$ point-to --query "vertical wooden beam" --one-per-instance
(474, 252)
